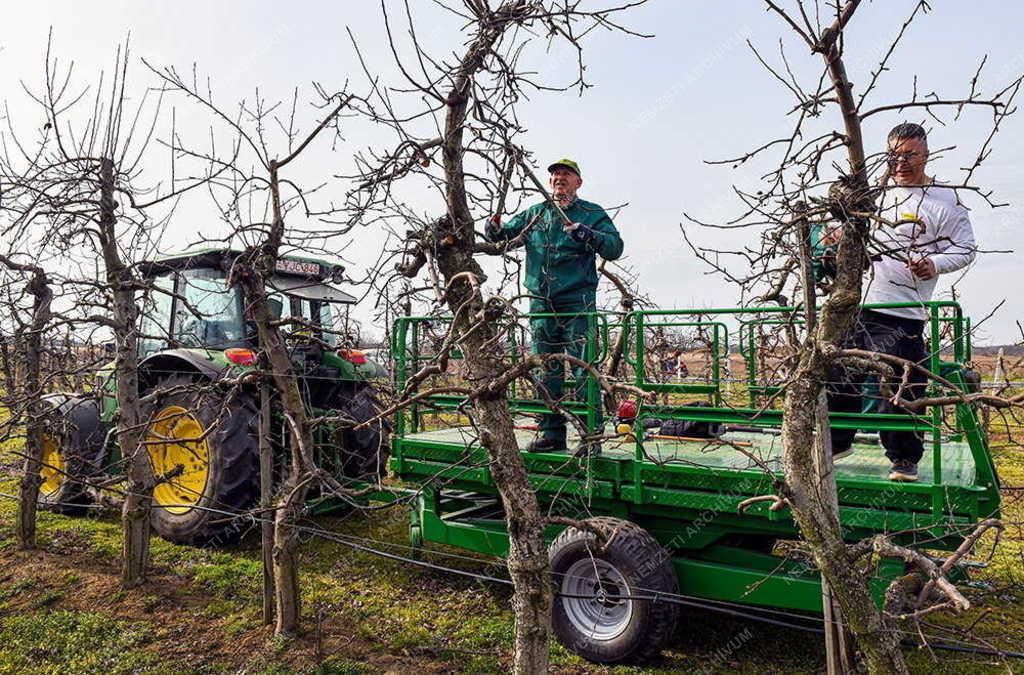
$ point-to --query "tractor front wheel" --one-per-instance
(204, 456)
(364, 451)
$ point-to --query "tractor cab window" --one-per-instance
(156, 315)
(211, 314)
(314, 315)
(327, 318)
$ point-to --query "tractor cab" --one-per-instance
(193, 307)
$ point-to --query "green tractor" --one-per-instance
(198, 333)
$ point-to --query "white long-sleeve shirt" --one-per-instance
(930, 223)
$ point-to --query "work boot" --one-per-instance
(546, 445)
(903, 471)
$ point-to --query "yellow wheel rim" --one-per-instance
(175, 437)
(53, 467)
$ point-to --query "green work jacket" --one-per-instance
(560, 269)
(823, 258)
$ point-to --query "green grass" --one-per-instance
(328, 667)
(74, 642)
(14, 590)
(393, 609)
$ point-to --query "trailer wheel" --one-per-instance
(603, 609)
(73, 452)
(213, 439)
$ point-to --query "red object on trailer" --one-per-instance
(627, 410)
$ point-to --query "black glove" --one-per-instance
(580, 232)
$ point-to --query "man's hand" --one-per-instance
(493, 227)
(832, 236)
(580, 232)
(922, 268)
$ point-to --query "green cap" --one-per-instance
(568, 164)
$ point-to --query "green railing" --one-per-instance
(940, 314)
(605, 328)
(407, 352)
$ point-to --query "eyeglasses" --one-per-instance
(895, 158)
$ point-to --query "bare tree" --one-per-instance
(796, 198)
(266, 239)
(75, 188)
(24, 393)
(469, 101)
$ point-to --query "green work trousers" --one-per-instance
(566, 333)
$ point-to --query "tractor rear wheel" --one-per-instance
(73, 452)
(212, 438)
(364, 451)
(606, 606)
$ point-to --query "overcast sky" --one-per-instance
(659, 108)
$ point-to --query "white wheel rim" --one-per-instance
(596, 599)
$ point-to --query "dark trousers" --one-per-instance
(564, 334)
(885, 334)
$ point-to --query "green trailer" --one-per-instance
(673, 502)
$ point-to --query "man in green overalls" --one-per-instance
(561, 277)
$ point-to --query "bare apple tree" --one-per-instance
(458, 134)
(74, 188)
(25, 324)
(799, 195)
(257, 197)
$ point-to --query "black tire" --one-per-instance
(194, 509)
(364, 452)
(616, 626)
(73, 452)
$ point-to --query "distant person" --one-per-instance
(561, 277)
(928, 229)
(673, 365)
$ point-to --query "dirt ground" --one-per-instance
(186, 635)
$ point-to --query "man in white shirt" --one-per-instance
(923, 232)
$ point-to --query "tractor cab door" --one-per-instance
(194, 309)
(157, 309)
(210, 316)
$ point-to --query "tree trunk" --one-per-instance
(286, 539)
(138, 497)
(819, 521)
(293, 494)
(816, 514)
(28, 489)
(287, 596)
(266, 497)
(804, 427)
(837, 645)
(528, 562)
